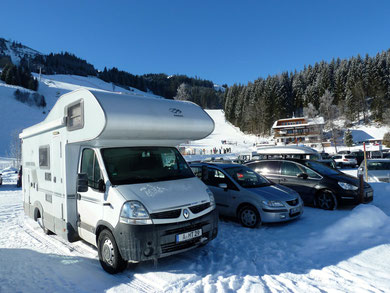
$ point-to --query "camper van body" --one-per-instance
(95, 133)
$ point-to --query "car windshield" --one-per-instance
(131, 165)
(246, 177)
(321, 168)
(378, 165)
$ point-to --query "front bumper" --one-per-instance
(281, 215)
(145, 242)
(348, 197)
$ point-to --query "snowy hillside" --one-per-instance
(16, 51)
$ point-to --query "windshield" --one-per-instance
(131, 165)
(321, 168)
(378, 165)
(246, 177)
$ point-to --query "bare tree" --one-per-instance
(183, 92)
(310, 111)
(330, 113)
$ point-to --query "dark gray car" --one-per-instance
(378, 170)
(240, 192)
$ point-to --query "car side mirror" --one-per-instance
(82, 182)
(205, 173)
(223, 186)
(101, 185)
(302, 175)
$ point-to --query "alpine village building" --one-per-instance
(301, 130)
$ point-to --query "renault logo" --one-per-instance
(176, 112)
(186, 213)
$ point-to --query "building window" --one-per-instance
(44, 157)
(75, 114)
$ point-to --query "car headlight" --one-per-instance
(273, 203)
(347, 186)
(212, 199)
(134, 212)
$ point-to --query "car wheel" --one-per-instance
(249, 216)
(326, 200)
(109, 256)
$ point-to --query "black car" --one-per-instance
(317, 184)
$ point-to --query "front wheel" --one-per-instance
(326, 200)
(249, 217)
(109, 256)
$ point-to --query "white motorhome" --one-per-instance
(103, 167)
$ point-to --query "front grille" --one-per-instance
(293, 203)
(173, 246)
(199, 208)
(186, 228)
(173, 214)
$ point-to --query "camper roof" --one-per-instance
(286, 150)
(107, 118)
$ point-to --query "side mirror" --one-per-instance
(205, 173)
(223, 186)
(101, 185)
(82, 182)
(302, 175)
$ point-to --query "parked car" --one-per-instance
(19, 181)
(345, 160)
(378, 170)
(317, 184)
(359, 155)
(240, 192)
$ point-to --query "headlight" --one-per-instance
(347, 186)
(133, 212)
(273, 203)
(212, 199)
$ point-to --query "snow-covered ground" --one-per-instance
(346, 250)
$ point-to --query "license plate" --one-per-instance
(188, 235)
(369, 194)
(295, 210)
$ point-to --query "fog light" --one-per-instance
(148, 251)
(282, 216)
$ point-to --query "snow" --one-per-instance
(346, 250)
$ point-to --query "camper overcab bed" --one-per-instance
(103, 167)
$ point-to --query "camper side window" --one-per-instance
(44, 157)
(75, 114)
(90, 166)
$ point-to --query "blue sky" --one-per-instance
(224, 41)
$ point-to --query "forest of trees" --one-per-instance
(357, 88)
(62, 63)
(18, 75)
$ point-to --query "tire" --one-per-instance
(326, 200)
(249, 216)
(109, 256)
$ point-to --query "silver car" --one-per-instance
(378, 170)
(240, 192)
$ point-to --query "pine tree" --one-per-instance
(348, 138)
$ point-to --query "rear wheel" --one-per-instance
(109, 256)
(249, 216)
(326, 200)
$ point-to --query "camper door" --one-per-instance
(90, 203)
